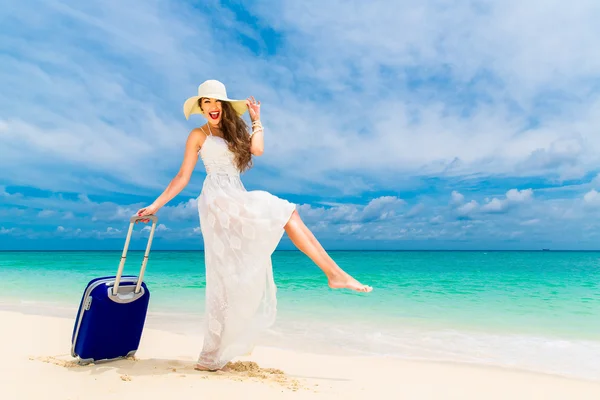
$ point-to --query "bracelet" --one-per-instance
(256, 127)
(255, 131)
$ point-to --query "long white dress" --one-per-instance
(241, 230)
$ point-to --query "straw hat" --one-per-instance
(215, 90)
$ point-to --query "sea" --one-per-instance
(537, 311)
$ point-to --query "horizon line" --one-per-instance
(544, 250)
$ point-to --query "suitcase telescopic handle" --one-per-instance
(132, 220)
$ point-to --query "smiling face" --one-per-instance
(212, 110)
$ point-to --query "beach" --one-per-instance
(36, 364)
(438, 325)
(444, 154)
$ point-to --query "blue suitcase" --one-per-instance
(112, 311)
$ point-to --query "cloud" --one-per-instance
(113, 231)
(378, 209)
(415, 210)
(505, 44)
(5, 231)
(456, 198)
(187, 210)
(438, 219)
(513, 197)
(592, 198)
(477, 82)
(369, 133)
(9, 196)
(91, 95)
(46, 213)
(111, 212)
(350, 228)
(495, 205)
(467, 208)
(159, 228)
(382, 220)
(381, 208)
(519, 196)
(531, 222)
(493, 76)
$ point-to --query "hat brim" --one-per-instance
(191, 106)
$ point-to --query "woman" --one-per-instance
(240, 228)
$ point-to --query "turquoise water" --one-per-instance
(534, 310)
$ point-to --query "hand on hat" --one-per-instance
(253, 108)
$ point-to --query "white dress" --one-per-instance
(241, 229)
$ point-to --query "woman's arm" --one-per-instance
(180, 181)
(257, 139)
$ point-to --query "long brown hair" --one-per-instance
(236, 134)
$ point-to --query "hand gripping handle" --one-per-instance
(132, 220)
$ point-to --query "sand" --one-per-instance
(36, 364)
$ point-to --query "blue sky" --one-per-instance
(404, 125)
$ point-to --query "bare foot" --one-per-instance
(348, 282)
(200, 367)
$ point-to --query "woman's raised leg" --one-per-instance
(306, 242)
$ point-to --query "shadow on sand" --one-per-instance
(131, 367)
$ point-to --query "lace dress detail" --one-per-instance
(241, 229)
